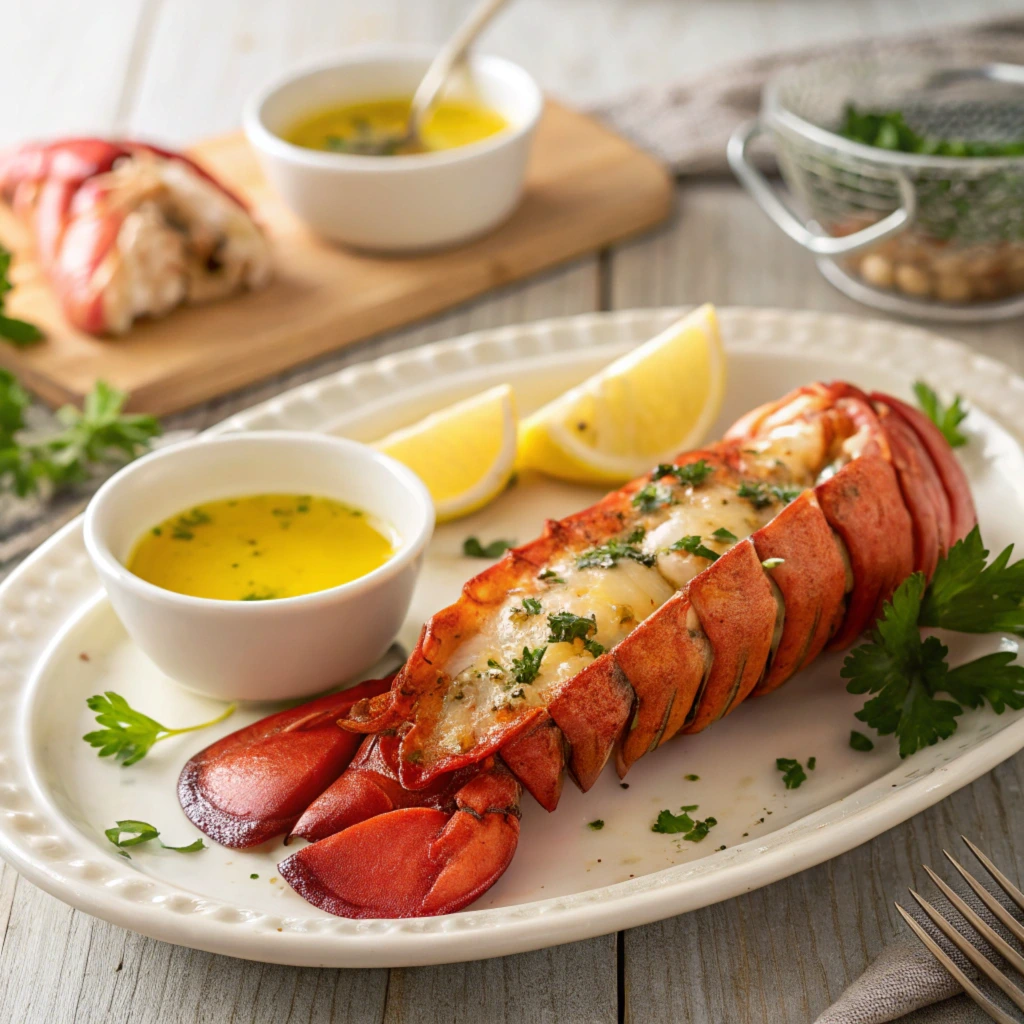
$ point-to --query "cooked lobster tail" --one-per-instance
(654, 613)
(126, 229)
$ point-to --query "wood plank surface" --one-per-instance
(180, 70)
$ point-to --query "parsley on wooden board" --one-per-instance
(946, 417)
(19, 333)
(905, 672)
(566, 628)
(131, 832)
(690, 829)
(472, 548)
(99, 433)
(128, 734)
(793, 774)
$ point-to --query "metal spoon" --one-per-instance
(429, 89)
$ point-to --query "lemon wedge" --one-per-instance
(465, 454)
(656, 401)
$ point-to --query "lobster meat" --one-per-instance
(655, 612)
(126, 229)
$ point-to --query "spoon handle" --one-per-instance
(449, 55)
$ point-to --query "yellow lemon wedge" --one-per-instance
(656, 401)
(465, 454)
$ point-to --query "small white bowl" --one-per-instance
(396, 203)
(261, 650)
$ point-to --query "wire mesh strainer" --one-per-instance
(917, 234)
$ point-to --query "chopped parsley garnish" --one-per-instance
(530, 606)
(651, 497)
(692, 778)
(130, 832)
(637, 536)
(946, 417)
(725, 536)
(812, 763)
(772, 563)
(605, 556)
(691, 830)
(567, 628)
(526, 668)
(694, 474)
(129, 734)
(858, 741)
(550, 576)
(254, 875)
(755, 492)
(793, 774)
(906, 671)
(472, 548)
(491, 663)
(761, 495)
(596, 825)
(693, 546)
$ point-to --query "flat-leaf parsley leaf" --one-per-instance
(946, 417)
(129, 734)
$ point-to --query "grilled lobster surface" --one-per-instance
(125, 229)
(655, 612)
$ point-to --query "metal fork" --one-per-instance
(994, 939)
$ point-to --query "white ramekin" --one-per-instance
(396, 203)
(261, 650)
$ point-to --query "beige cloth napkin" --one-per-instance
(905, 981)
(688, 124)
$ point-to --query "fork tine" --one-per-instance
(1004, 883)
(999, 1015)
(1005, 917)
(994, 939)
(968, 950)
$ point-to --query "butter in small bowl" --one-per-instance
(325, 608)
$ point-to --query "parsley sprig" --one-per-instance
(946, 417)
(19, 333)
(905, 671)
(131, 832)
(99, 433)
(128, 734)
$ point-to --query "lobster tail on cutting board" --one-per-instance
(655, 612)
(126, 229)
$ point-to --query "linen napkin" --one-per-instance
(687, 124)
(905, 977)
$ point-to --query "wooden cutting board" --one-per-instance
(586, 187)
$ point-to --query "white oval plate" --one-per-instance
(60, 642)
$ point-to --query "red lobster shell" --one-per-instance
(126, 229)
(834, 497)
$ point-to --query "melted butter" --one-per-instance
(260, 547)
(452, 123)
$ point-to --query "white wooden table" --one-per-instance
(179, 69)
